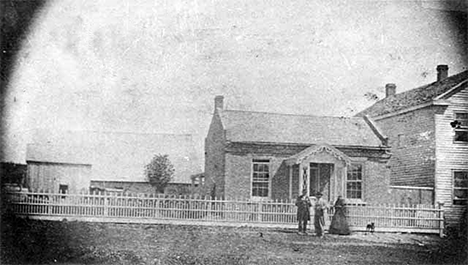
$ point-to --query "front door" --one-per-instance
(320, 175)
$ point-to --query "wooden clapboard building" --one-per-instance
(428, 132)
(75, 161)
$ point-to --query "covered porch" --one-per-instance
(321, 168)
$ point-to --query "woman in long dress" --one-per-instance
(339, 224)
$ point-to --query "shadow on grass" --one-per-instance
(26, 241)
(46, 242)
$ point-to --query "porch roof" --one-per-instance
(313, 150)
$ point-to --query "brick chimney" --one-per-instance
(390, 90)
(219, 102)
(442, 72)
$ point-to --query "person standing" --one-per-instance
(339, 224)
(303, 212)
(319, 215)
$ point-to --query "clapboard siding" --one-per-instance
(411, 136)
(48, 176)
(450, 156)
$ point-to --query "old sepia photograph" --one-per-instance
(233, 132)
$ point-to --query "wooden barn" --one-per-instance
(74, 161)
(57, 168)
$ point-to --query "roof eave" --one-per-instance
(452, 91)
(376, 130)
(410, 109)
(440, 100)
(372, 147)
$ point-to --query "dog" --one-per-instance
(370, 228)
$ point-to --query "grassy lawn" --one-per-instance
(45, 242)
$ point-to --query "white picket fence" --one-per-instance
(148, 208)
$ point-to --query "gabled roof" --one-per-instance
(416, 96)
(313, 150)
(250, 126)
(47, 153)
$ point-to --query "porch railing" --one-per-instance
(148, 208)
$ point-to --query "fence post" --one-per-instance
(106, 208)
(50, 202)
(441, 219)
(259, 217)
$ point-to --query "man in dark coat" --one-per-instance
(303, 212)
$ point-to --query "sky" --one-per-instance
(156, 66)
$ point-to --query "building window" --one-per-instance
(260, 177)
(460, 187)
(63, 189)
(400, 141)
(461, 127)
(354, 182)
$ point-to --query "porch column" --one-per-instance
(336, 171)
(290, 181)
(307, 166)
(304, 167)
(301, 179)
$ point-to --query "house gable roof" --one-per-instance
(418, 96)
(250, 126)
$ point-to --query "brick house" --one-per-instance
(269, 156)
(428, 132)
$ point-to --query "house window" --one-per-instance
(460, 187)
(63, 189)
(400, 140)
(354, 182)
(260, 177)
(461, 127)
(202, 180)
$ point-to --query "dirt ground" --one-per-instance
(45, 242)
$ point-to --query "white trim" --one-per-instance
(355, 201)
(451, 90)
(305, 155)
(359, 159)
(335, 184)
(308, 178)
(343, 181)
(403, 111)
(301, 179)
(383, 138)
(453, 186)
(290, 181)
(363, 175)
(259, 198)
(461, 129)
(411, 188)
